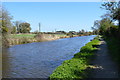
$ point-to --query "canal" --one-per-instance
(39, 59)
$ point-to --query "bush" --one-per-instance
(24, 40)
(114, 47)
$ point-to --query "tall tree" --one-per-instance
(82, 31)
(6, 21)
(96, 27)
(24, 27)
(16, 24)
(102, 25)
(13, 30)
(113, 9)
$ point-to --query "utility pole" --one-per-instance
(39, 27)
(55, 30)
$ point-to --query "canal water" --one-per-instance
(39, 59)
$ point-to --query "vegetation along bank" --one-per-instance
(109, 29)
(15, 39)
(76, 67)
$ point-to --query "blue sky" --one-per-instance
(65, 16)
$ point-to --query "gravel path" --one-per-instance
(103, 66)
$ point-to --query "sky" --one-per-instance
(65, 16)
(57, 0)
(53, 0)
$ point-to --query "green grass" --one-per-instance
(114, 48)
(75, 68)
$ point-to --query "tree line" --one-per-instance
(7, 26)
(107, 26)
(21, 27)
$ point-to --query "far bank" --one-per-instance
(16, 39)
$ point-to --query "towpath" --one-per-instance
(103, 66)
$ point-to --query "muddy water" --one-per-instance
(39, 59)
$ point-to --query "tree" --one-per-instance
(113, 9)
(24, 27)
(6, 20)
(105, 24)
(60, 32)
(82, 31)
(16, 24)
(96, 25)
(13, 30)
(101, 26)
(70, 34)
(36, 32)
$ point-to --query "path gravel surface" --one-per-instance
(103, 66)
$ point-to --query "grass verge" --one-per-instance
(75, 68)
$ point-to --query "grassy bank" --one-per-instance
(22, 35)
(76, 67)
(114, 48)
(15, 39)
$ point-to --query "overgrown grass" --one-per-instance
(114, 48)
(60, 35)
(22, 35)
(75, 68)
(15, 39)
(31, 35)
